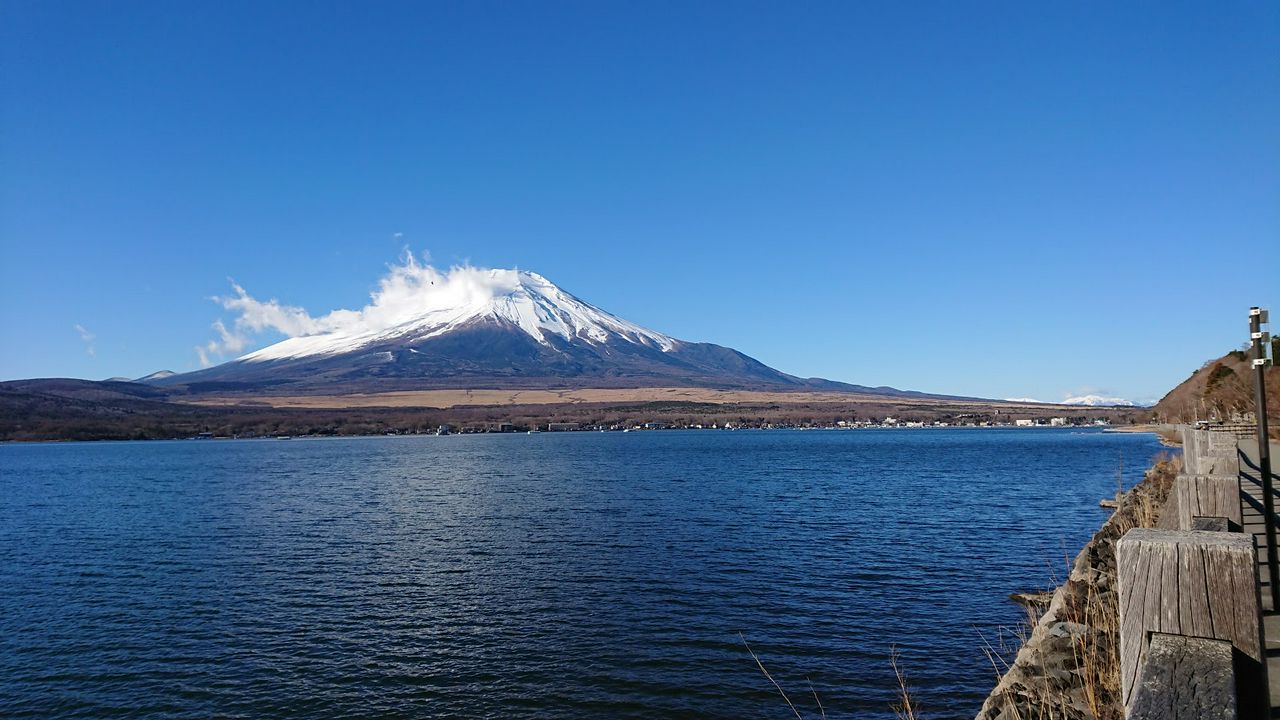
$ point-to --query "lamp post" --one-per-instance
(1257, 318)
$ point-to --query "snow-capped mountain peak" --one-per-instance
(1098, 401)
(429, 307)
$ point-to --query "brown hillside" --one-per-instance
(1220, 389)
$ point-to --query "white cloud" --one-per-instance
(408, 290)
(228, 341)
(87, 338)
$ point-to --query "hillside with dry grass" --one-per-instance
(1219, 390)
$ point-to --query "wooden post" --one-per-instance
(1220, 454)
(1170, 513)
(1186, 678)
(1208, 452)
(1201, 584)
(1208, 495)
(1191, 450)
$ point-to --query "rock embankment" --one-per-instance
(1069, 665)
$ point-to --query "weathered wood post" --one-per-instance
(1208, 496)
(1209, 452)
(1194, 583)
(1209, 484)
(1191, 450)
(1222, 454)
(1186, 678)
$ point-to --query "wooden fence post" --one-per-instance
(1210, 496)
(1188, 678)
(1195, 583)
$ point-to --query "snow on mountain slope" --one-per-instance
(524, 299)
(1098, 401)
(157, 375)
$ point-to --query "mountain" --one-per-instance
(1098, 401)
(84, 390)
(511, 329)
(155, 376)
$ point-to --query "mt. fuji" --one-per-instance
(473, 328)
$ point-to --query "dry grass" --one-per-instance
(822, 711)
(1082, 679)
(775, 684)
(905, 709)
(1097, 651)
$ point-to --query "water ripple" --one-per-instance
(567, 576)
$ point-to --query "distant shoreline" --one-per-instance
(1142, 428)
(86, 411)
(579, 431)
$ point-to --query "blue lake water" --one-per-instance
(576, 575)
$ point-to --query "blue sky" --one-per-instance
(996, 199)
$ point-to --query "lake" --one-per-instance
(566, 575)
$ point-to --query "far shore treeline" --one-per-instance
(83, 410)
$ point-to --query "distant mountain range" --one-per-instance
(1083, 401)
(521, 332)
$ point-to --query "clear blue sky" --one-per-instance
(997, 199)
